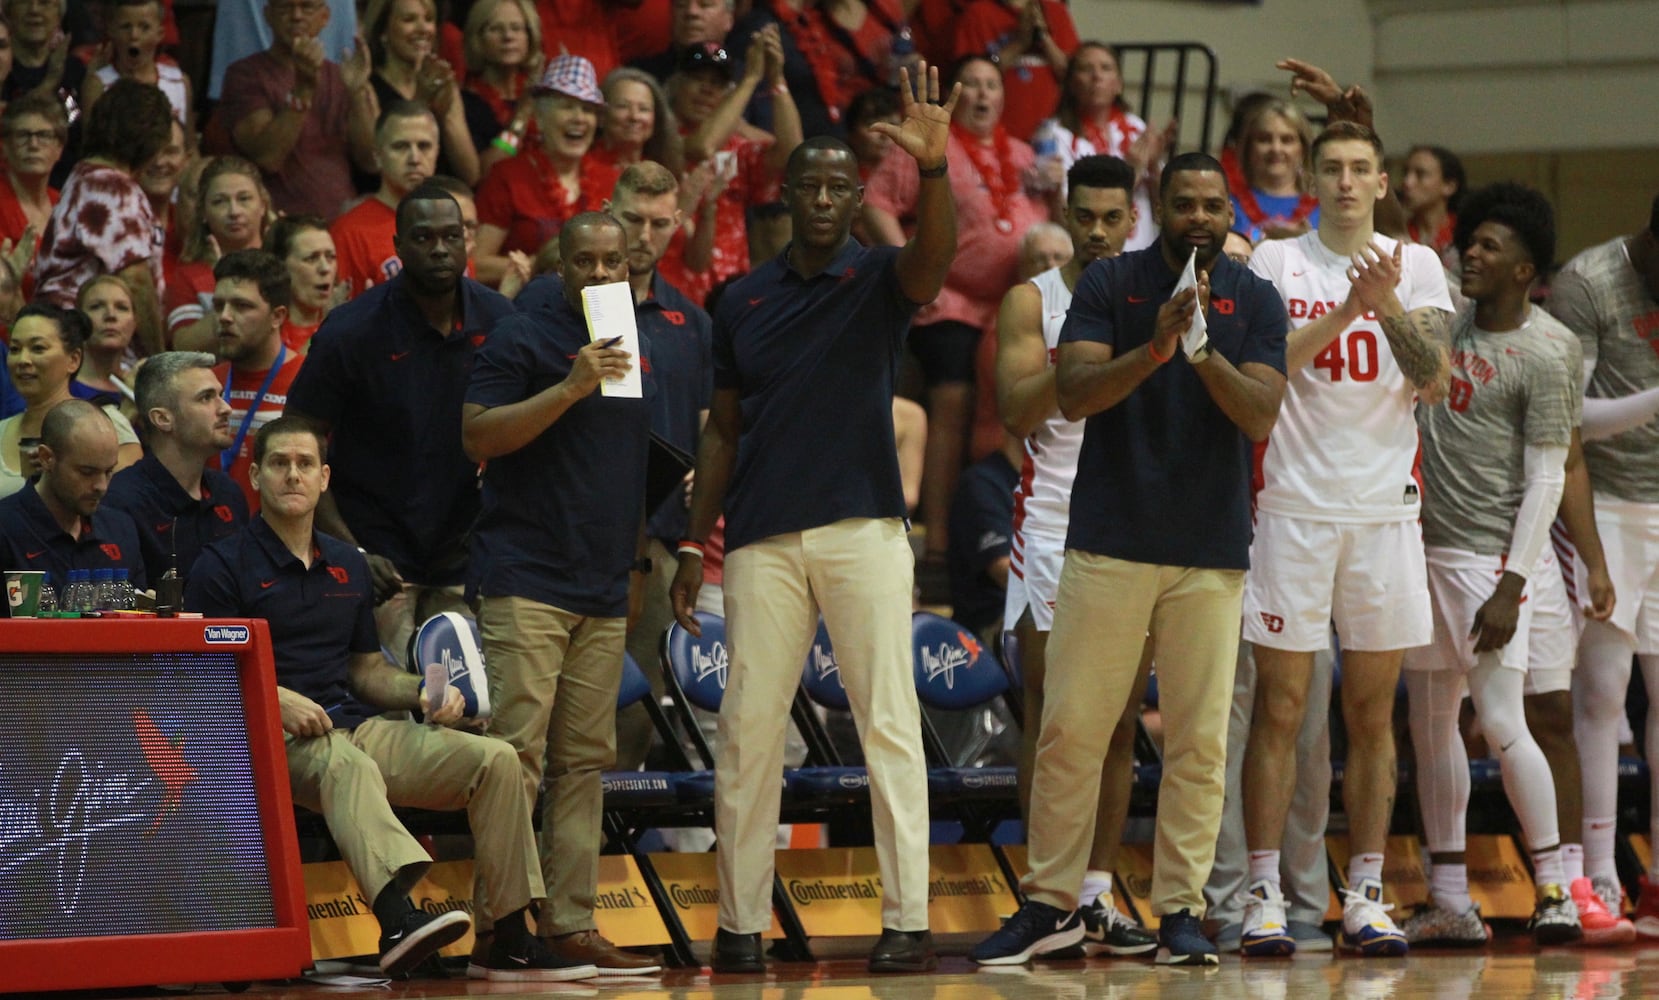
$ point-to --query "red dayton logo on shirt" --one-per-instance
(224, 513)
(1274, 623)
(674, 317)
(339, 574)
(1223, 307)
(112, 550)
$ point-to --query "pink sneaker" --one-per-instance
(1602, 928)
(1647, 909)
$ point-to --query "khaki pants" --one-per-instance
(1105, 610)
(554, 677)
(858, 573)
(355, 777)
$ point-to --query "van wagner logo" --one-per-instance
(92, 800)
(225, 635)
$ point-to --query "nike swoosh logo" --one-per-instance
(756, 302)
(1055, 315)
(1060, 924)
(1297, 274)
(164, 526)
(266, 584)
(31, 556)
(1139, 299)
(400, 356)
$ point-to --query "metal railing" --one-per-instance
(1156, 56)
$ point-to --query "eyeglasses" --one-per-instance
(27, 136)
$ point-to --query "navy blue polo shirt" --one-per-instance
(814, 361)
(1164, 476)
(170, 521)
(391, 387)
(562, 514)
(981, 532)
(319, 616)
(680, 334)
(30, 539)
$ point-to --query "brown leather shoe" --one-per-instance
(590, 948)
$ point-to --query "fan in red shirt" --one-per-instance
(232, 212)
(33, 129)
(250, 300)
(525, 200)
(747, 164)
(406, 150)
(1031, 40)
(303, 244)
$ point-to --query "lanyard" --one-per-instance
(229, 454)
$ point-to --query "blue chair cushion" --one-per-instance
(953, 670)
(699, 663)
(821, 675)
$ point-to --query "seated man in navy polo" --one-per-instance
(386, 375)
(564, 499)
(58, 522)
(345, 759)
(177, 503)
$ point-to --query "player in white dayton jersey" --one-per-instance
(1494, 453)
(1100, 216)
(1609, 296)
(1336, 523)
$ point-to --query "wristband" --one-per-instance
(938, 171)
(507, 142)
(781, 89)
(1160, 358)
(689, 547)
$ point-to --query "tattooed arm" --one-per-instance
(1418, 340)
(1418, 337)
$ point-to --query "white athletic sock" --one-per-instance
(1364, 866)
(1598, 846)
(1264, 867)
(1572, 862)
(1096, 884)
(1449, 887)
(1547, 868)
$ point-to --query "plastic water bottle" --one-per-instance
(103, 582)
(48, 598)
(901, 54)
(82, 598)
(126, 599)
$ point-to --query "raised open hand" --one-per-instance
(923, 130)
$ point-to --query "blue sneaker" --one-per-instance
(1366, 926)
(1035, 929)
(447, 646)
(1180, 942)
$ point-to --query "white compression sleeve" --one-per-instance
(1546, 477)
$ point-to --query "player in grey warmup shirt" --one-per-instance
(1494, 453)
(1609, 296)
